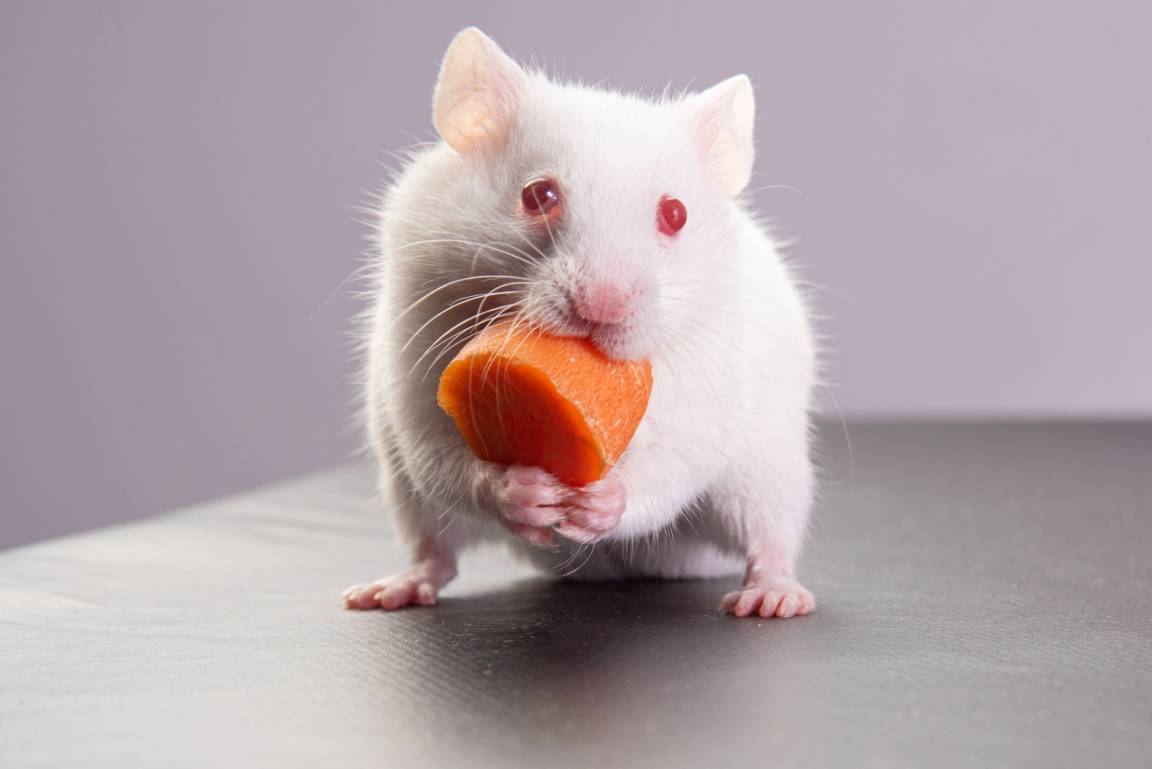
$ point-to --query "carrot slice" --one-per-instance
(522, 397)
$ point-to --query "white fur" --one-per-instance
(719, 469)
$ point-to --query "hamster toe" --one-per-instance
(530, 496)
(414, 587)
(597, 507)
(780, 597)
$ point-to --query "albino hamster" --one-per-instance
(588, 212)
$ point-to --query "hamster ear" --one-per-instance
(478, 93)
(724, 117)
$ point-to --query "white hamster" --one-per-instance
(589, 212)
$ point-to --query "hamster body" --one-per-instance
(590, 213)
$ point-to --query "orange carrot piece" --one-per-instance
(522, 397)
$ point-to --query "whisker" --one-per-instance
(447, 285)
(505, 311)
(498, 291)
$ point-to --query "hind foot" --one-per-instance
(419, 586)
(772, 597)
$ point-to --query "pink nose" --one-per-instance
(603, 303)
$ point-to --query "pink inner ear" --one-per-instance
(479, 118)
(504, 104)
(724, 134)
(478, 94)
(709, 126)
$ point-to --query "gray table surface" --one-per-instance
(985, 600)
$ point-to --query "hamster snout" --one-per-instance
(603, 302)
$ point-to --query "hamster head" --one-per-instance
(609, 215)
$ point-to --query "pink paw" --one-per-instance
(593, 511)
(774, 597)
(529, 503)
(419, 586)
(533, 504)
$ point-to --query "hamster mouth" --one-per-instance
(619, 342)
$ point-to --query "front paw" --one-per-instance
(528, 503)
(593, 511)
(532, 504)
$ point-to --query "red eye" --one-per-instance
(671, 216)
(540, 197)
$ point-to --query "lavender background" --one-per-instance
(969, 181)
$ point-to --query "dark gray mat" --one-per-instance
(985, 600)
